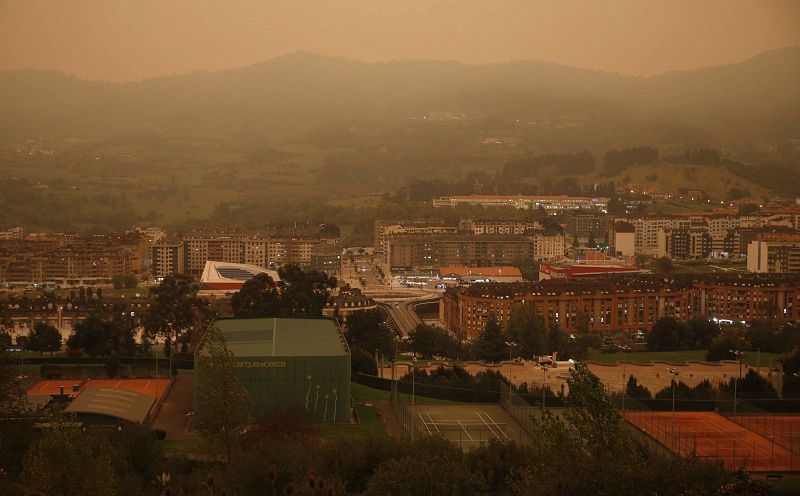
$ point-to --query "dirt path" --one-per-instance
(393, 426)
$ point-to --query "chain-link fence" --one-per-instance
(711, 436)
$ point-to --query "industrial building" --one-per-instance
(287, 365)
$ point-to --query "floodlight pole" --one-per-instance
(624, 349)
(675, 373)
(155, 351)
(544, 382)
(413, 406)
(738, 354)
(511, 345)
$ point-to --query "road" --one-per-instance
(401, 311)
(398, 300)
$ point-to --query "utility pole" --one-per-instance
(624, 350)
(413, 406)
(511, 345)
(738, 354)
(675, 373)
(544, 366)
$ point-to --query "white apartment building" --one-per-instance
(548, 246)
(556, 203)
(481, 227)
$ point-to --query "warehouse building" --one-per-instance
(288, 365)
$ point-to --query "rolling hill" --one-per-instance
(755, 98)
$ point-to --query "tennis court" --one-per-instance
(53, 386)
(469, 425)
(784, 429)
(154, 388)
(714, 437)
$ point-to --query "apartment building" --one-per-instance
(428, 253)
(584, 227)
(550, 203)
(623, 303)
(166, 259)
(692, 243)
(774, 253)
(68, 260)
(645, 239)
(480, 227)
(8, 233)
(383, 228)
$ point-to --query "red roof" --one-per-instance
(582, 270)
(480, 271)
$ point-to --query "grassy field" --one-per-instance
(182, 446)
(716, 181)
(363, 393)
(370, 424)
(750, 357)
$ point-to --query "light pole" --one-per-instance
(675, 373)
(545, 366)
(738, 354)
(413, 407)
(624, 350)
(511, 345)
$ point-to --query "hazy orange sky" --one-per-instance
(133, 39)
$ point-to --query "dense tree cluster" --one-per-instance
(43, 337)
(565, 163)
(616, 161)
(102, 335)
(427, 341)
(670, 334)
(301, 294)
(702, 156)
(458, 377)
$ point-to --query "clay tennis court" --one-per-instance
(785, 429)
(154, 388)
(714, 437)
(50, 387)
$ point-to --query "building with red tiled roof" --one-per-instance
(482, 274)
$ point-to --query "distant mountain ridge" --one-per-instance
(757, 95)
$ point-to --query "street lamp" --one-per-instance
(624, 350)
(675, 373)
(511, 345)
(545, 366)
(413, 408)
(738, 354)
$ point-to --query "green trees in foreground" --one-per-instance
(225, 403)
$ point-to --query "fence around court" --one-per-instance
(465, 424)
(734, 448)
(155, 408)
(518, 407)
(722, 404)
(784, 430)
(422, 390)
(401, 409)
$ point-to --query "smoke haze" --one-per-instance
(122, 40)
